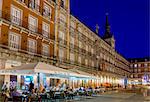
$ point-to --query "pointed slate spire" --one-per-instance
(107, 29)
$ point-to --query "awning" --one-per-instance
(49, 70)
(82, 74)
(39, 67)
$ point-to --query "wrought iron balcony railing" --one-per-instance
(23, 23)
(62, 41)
(62, 23)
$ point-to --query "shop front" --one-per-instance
(47, 75)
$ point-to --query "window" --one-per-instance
(33, 23)
(35, 4)
(80, 44)
(46, 29)
(80, 29)
(92, 50)
(71, 56)
(14, 40)
(139, 65)
(72, 40)
(139, 70)
(86, 61)
(86, 47)
(32, 45)
(63, 19)
(135, 65)
(61, 35)
(61, 53)
(79, 59)
(131, 65)
(16, 15)
(145, 69)
(47, 11)
(45, 49)
(145, 65)
(135, 70)
(62, 3)
(72, 24)
(92, 63)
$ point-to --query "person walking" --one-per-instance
(5, 87)
(5, 92)
(31, 86)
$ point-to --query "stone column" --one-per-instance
(7, 79)
(18, 81)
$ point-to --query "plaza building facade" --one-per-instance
(140, 69)
(44, 31)
(26, 32)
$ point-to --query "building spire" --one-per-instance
(107, 28)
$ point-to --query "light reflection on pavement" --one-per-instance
(118, 97)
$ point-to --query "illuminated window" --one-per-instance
(135, 65)
(145, 65)
(139, 65)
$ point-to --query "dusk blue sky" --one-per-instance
(129, 20)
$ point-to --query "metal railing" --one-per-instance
(62, 41)
(52, 2)
(62, 23)
(23, 23)
(34, 6)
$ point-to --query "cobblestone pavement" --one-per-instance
(117, 97)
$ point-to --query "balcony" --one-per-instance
(33, 28)
(62, 41)
(62, 60)
(52, 2)
(45, 34)
(32, 50)
(63, 7)
(71, 46)
(72, 29)
(46, 14)
(16, 20)
(76, 47)
(14, 46)
(34, 6)
(7, 17)
(62, 23)
(45, 54)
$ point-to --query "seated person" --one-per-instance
(15, 92)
